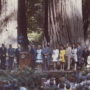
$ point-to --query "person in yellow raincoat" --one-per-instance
(62, 57)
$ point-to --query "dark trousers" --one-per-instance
(3, 62)
(18, 58)
(33, 64)
(10, 63)
(46, 63)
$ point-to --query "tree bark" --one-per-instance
(65, 22)
(8, 22)
(86, 20)
(46, 21)
(0, 6)
(22, 24)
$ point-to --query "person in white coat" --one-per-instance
(88, 61)
(68, 55)
(55, 57)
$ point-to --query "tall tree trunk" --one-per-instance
(22, 25)
(46, 21)
(8, 22)
(86, 20)
(0, 6)
(65, 21)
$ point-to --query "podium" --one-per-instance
(25, 60)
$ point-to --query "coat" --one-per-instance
(11, 52)
(3, 52)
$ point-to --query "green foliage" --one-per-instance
(35, 15)
(31, 78)
(35, 37)
(35, 19)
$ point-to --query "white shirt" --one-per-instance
(39, 54)
(74, 54)
(68, 51)
(55, 55)
(23, 88)
(88, 59)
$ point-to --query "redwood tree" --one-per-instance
(46, 3)
(86, 20)
(65, 22)
(22, 24)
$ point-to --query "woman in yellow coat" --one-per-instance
(62, 57)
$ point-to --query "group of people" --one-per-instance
(63, 57)
(13, 85)
(8, 56)
(71, 56)
(73, 82)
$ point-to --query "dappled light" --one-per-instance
(34, 36)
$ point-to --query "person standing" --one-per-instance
(79, 54)
(62, 58)
(85, 55)
(17, 55)
(68, 55)
(39, 57)
(55, 57)
(88, 61)
(47, 52)
(11, 55)
(3, 51)
(74, 56)
(33, 55)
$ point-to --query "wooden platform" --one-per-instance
(57, 71)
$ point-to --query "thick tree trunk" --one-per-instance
(8, 22)
(0, 6)
(46, 21)
(22, 25)
(65, 21)
(86, 20)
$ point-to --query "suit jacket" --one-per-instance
(11, 52)
(17, 52)
(33, 51)
(3, 52)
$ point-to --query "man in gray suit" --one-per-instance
(46, 52)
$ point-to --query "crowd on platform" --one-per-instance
(64, 57)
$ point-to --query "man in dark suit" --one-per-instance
(17, 54)
(33, 55)
(3, 52)
(11, 55)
